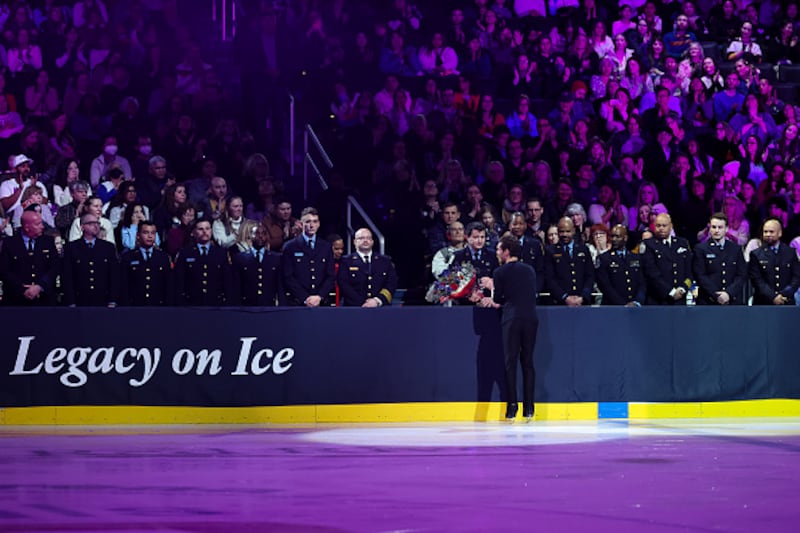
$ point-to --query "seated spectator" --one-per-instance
(438, 59)
(744, 47)
(609, 209)
(10, 123)
(108, 189)
(24, 56)
(753, 120)
(165, 216)
(41, 98)
(128, 229)
(398, 58)
(106, 161)
(712, 77)
(227, 227)
(677, 41)
(181, 235)
(32, 200)
(215, 203)
(521, 121)
(126, 195)
(444, 256)
(281, 225)
(94, 207)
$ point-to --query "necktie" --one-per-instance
(260, 255)
(203, 251)
(311, 243)
(775, 250)
(30, 245)
(147, 255)
(91, 244)
(369, 264)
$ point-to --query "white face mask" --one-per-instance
(146, 149)
(111, 149)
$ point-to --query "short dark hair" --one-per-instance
(511, 243)
(473, 226)
(199, 220)
(144, 223)
(720, 216)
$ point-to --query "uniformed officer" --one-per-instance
(256, 273)
(91, 269)
(667, 264)
(202, 270)
(532, 248)
(568, 268)
(774, 269)
(146, 272)
(484, 261)
(619, 272)
(29, 264)
(719, 266)
(366, 279)
(307, 267)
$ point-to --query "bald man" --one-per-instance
(619, 272)
(667, 262)
(568, 268)
(366, 279)
(773, 268)
(29, 264)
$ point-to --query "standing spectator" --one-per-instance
(719, 266)
(366, 279)
(307, 265)
(774, 269)
(29, 264)
(91, 269)
(569, 272)
(619, 273)
(667, 262)
(146, 272)
(24, 57)
(202, 270)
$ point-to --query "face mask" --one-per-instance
(111, 149)
(146, 149)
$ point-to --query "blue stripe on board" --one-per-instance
(612, 410)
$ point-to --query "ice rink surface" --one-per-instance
(703, 475)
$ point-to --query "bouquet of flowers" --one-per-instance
(455, 281)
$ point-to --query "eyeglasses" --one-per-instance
(90, 222)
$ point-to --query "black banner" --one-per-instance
(296, 356)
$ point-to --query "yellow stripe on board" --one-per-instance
(388, 412)
(296, 414)
(737, 409)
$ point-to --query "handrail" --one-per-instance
(308, 159)
(291, 134)
(221, 11)
(352, 203)
(318, 144)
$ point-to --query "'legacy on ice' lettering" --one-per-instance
(77, 363)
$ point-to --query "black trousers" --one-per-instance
(519, 340)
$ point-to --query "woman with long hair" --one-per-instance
(712, 78)
(128, 228)
(67, 172)
(636, 82)
(181, 235)
(488, 117)
(166, 216)
(754, 121)
(226, 229)
(647, 195)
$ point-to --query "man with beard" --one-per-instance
(619, 272)
(667, 262)
(569, 271)
(256, 273)
(366, 279)
(532, 250)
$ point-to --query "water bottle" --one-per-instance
(690, 295)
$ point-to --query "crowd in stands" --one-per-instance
(609, 113)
